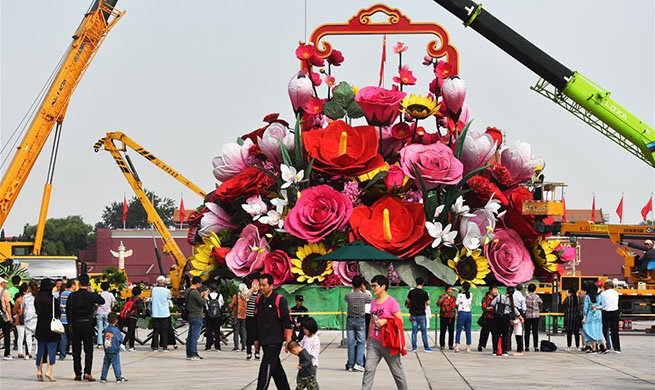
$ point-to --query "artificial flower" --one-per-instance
(420, 107)
(313, 122)
(272, 218)
(392, 225)
(566, 253)
(459, 207)
(306, 267)
(401, 131)
(390, 144)
(427, 60)
(453, 91)
(335, 58)
(441, 235)
(290, 175)
(202, 261)
(399, 47)
(380, 106)
(496, 134)
(319, 211)
(484, 189)
(314, 106)
(442, 71)
(509, 259)
(341, 149)
(346, 270)
(436, 164)
(395, 178)
(252, 181)
(405, 76)
(214, 219)
(300, 90)
(544, 254)
(271, 140)
(501, 175)
(316, 78)
(248, 253)
(280, 202)
(329, 81)
(518, 160)
(470, 266)
(351, 191)
(514, 217)
(278, 264)
(477, 150)
(232, 160)
(470, 234)
(305, 52)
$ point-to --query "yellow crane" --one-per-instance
(117, 144)
(100, 18)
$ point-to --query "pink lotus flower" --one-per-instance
(232, 161)
(214, 220)
(477, 150)
(519, 162)
(300, 90)
(400, 47)
(509, 259)
(278, 264)
(248, 253)
(435, 162)
(566, 253)
(318, 212)
(346, 270)
(395, 177)
(329, 80)
(269, 144)
(381, 106)
(453, 91)
(405, 76)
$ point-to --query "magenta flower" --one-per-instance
(509, 259)
(395, 178)
(405, 76)
(519, 162)
(248, 253)
(214, 220)
(278, 264)
(442, 71)
(346, 270)
(435, 162)
(329, 80)
(318, 212)
(477, 150)
(300, 90)
(381, 106)
(453, 91)
(232, 161)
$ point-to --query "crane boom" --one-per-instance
(88, 38)
(571, 90)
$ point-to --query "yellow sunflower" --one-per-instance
(306, 268)
(419, 107)
(470, 266)
(543, 252)
(202, 260)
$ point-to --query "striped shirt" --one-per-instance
(62, 304)
(250, 309)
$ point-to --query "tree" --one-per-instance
(62, 236)
(112, 215)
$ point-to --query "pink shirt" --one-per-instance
(381, 311)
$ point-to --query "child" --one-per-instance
(112, 343)
(311, 342)
(306, 369)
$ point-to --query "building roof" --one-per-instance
(577, 215)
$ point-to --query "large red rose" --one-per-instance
(252, 181)
(278, 264)
(341, 149)
(399, 231)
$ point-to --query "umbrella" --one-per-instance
(357, 251)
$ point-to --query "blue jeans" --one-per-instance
(101, 324)
(195, 325)
(115, 360)
(63, 344)
(420, 322)
(46, 348)
(463, 321)
(355, 328)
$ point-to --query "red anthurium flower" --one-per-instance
(343, 150)
(314, 106)
(335, 58)
(405, 76)
(305, 52)
(316, 79)
(400, 47)
(329, 80)
(401, 131)
(392, 225)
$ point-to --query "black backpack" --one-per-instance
(499, 308)
(214, 308)
(548, 346)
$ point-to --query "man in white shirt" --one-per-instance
(611, 316)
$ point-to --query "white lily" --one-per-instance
(290, 175)
(272, 218)
(255, 206)
(441, 235)
(280, 203)
(460, 208)
(439, 209)
(492, 206)
(472, 237)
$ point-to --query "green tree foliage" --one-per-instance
(112, 215)
(62, 236)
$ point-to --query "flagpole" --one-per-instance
(124, 203)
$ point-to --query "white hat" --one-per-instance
(649, 242)
(161, 279)
(3, 280)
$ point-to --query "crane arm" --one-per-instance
(571, 90)
(87, 39)
(616, 233)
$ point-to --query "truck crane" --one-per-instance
(99, 19)
(117, 144)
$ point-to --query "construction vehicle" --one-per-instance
(99, 19)
(117, 144)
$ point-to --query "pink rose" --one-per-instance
(381, 106)
(278, 264)
(509, 259)
(566, 253)
(346, 270)
(319, 211)
(394, 178)
(248, 253)
(435, 162)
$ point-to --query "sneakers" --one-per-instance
(358, 368)
(441, 348)
(256, 355)
(199, 357)
(132, 349)
(235, 349)
(414, 350)
(605, 351)
(8, 357)
(350, 369)
(122, 380)
(166, 350)
(103, 380)
(194, 358)
(480, 349)
(617, 351)
(428, 350)
(249, 356)
(456, 349)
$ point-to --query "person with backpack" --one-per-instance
(504, 311)
(464, 303)
(130, 314)
(112, 340)
(487, 318)
(272, 329)
(213, 319)
(195, 306)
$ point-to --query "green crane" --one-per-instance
(571, 90)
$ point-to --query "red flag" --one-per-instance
(647, 209)
(384, 59)
(593, 210)
(564, 206)
(182, 212)
(619, 210)
(124, 211)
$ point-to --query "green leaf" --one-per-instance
(285, 153)
(409, 271)
(239, 141)
(297, 139)
(354, 110)
(438, 269)
(333, 110)
(308, 170)
(459, 144)
(378, 176)
(369, 270)
(430, 204)
(343, 94)
(291, 288)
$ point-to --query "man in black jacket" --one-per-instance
(79, 312)
(272, 329)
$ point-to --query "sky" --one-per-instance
(182, 80)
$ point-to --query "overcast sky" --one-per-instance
(183, 78)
